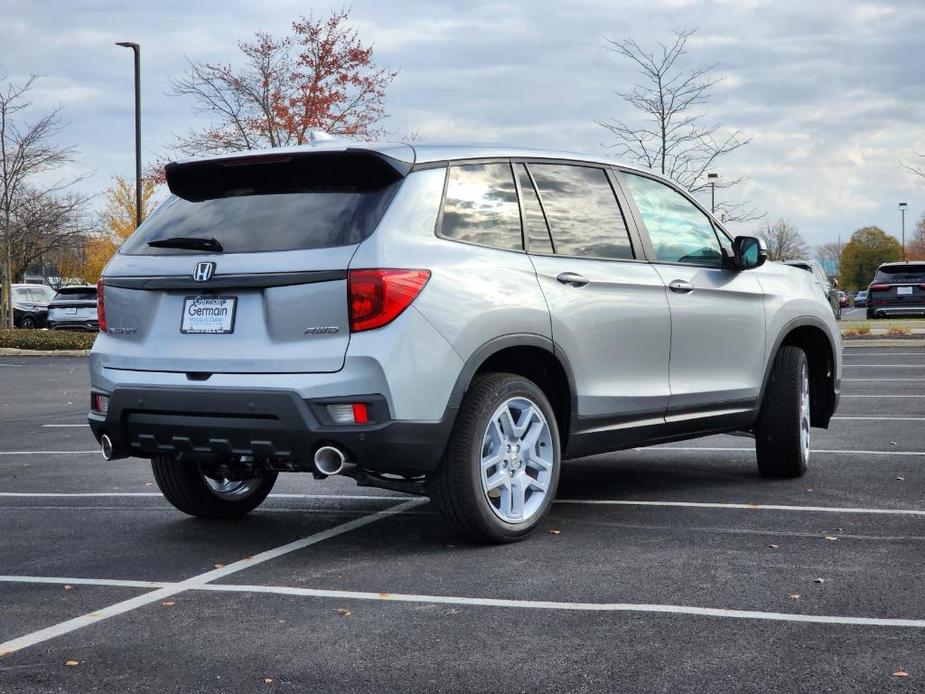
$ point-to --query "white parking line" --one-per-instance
(566, 606)
(167, 589)
(58, 580)
(589, 502)
(742, 449)
(48, 452)
(746, 507)
(61, 426)
(880, 380)
(882, 396)
(886, 366)
(194, 582)
(884, 418)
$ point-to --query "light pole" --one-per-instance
(902, 212)
(712, 178)
(136, 50)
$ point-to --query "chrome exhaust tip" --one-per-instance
(330, 460)
(106, 447)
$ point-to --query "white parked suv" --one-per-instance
(452, 321)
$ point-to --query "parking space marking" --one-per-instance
(566, 606)
(883, 418)
(741, 449)
(885, 366)
(747, 507)
(110, 582)
(885, 395)
(48, 452)
(196, 581)
(590, 502)
(879, 380)
(61, 426)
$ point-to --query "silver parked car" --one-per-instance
(453, 321)
(73, 308)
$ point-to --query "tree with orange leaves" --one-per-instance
(321, 77)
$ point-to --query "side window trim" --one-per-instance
(539, 199)
(649, 248)
(634, 238)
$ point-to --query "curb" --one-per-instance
(13, 352)
(905, 342)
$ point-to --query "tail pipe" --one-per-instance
(108, 449)
(330, 460)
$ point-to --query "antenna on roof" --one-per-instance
(318, 136)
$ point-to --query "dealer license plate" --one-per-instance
(208, 315)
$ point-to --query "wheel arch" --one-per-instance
(811, 336)
(531, 356)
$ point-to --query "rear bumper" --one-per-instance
(88, 325)
(276, 426)
(897, 309)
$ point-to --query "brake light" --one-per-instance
(100, 305)
(377, 297)
(879, 287)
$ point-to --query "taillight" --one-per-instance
(101, 305)
(377, 297)
(878, 288)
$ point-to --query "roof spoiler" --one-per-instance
(356, 170)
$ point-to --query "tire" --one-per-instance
(188, 490)
(29, 323)
(525, 478)
(782, 430)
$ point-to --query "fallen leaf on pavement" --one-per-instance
(900, 479)
(149, 484)
(900, 673)
(794, 596)
(67, 587)
(831, 538)
(773, 546)
(219, 566)
(169, 603)
(268, 680)
(343, 612)
(72, 663)
(818, 580)
(554, 531)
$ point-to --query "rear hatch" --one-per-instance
(243, 269)
(898, 286)
(76, 304)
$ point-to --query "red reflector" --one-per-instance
(360, 415)
(100, 305)
(377, 297)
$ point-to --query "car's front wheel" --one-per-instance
(782, 432)
(189, 489)
(499, 475)
(29, 323)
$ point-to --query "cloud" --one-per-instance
(832, 94)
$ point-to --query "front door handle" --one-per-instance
(681, 287)
(572, 279)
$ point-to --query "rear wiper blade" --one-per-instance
(193, 243)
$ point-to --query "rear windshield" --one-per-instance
(901, 273)
(277, 206)
(76, 294)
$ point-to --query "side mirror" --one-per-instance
(749, 252)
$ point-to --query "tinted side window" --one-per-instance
(535, 228)
(582, 210)
(679, 231)
(481, 206)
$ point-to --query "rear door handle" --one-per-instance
(681, 287)
(572, 279)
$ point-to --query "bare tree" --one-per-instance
(830, 253)
(917, 170)
(674, 139)
(784, 241)
(31, 216)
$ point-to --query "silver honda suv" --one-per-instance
(451, 321)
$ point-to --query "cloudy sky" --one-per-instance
(831, 92)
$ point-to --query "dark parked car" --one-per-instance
(73, 308)
(860, 301)
(827, 286)
(30, 305)
(898, 289)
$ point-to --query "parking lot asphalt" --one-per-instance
(674, 568)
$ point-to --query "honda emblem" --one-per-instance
(203, 272)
